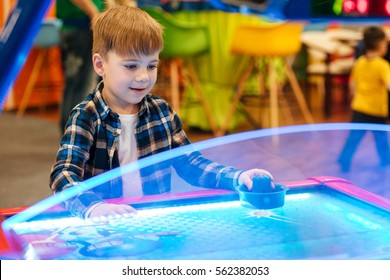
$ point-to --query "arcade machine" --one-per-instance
(16, 39)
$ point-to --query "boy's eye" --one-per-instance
(131, 66)
(151, 67)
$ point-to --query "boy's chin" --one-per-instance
(136, 98)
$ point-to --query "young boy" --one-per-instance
(369, 83)
(121, 122)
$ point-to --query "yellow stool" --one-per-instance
(183, 40)
(269, 40)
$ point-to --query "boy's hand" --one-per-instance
(246, 177)
(107, 209)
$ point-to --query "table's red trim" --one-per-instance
(3, 241)
(6, 212)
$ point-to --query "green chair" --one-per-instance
(183, 40)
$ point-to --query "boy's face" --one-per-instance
(126, 79)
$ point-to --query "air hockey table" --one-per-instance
(323, 217)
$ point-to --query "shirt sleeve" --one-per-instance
(68, 169)
(198, 170)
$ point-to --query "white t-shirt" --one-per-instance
(127, 153)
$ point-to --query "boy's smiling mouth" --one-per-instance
(139, 90)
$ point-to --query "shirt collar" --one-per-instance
(143, 108)
(101, 104)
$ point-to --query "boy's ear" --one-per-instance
(98, 64)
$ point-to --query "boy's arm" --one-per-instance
(73, 152)
(68, 170)
(193, 167)
(202, 172)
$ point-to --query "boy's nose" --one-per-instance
(142, 75)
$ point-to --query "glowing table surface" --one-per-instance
(323, 218)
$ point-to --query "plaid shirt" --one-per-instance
(89, 147)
